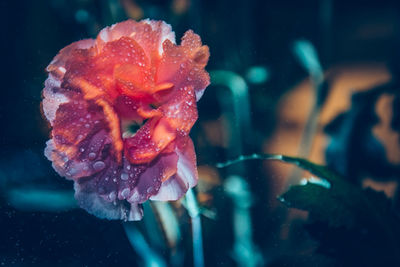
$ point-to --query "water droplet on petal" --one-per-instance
(124, 176)
(125, 192)
(112, 196)
(99, 165)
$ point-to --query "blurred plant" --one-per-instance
(235, 106)
(245, 252)
(354, 226)
(353, 150)
(308, 58)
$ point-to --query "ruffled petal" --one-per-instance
(149, 141)
(57, 66)
(150, 181)
(91, 201)
(53, 97)
(184, 65)
(186, 176)
(181, 110)
(149, 34)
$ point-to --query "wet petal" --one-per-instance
(181, 110)
(149, 34)
(149, 141)
(87, 197)
(186, 176)
(57, 66)
(184, 65)
(150, 181)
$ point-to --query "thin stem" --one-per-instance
(316, 169)
(194, 213)
(140, 245)
(249, 157)
(308, 57)
(198, 257)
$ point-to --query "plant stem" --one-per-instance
(194, 213)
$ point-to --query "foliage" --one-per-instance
(356, 226)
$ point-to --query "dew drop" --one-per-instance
(112, 196)
(92, 155)
(99, 165)
(125, 192)
(124, 176)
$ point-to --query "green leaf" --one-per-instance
(357, 226)
(321, 204)
(349, 212)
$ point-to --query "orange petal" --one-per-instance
(149, 141)
(114, 125)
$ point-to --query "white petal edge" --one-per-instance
(52, 100)
(176, 186)
(166, 33)
(96, 205)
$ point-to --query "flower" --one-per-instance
(121, 108)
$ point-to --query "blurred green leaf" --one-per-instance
(319, 201)
(344, 211)
(355, 226)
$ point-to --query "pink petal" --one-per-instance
(151, 179)
(53, 97)
(184, 65)
(88, 199)
(149, 34)
(186, 177)
(57, 66)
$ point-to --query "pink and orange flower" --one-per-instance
(121, 108)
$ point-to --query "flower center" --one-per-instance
(130, 128)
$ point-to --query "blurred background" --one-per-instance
(312, 78)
